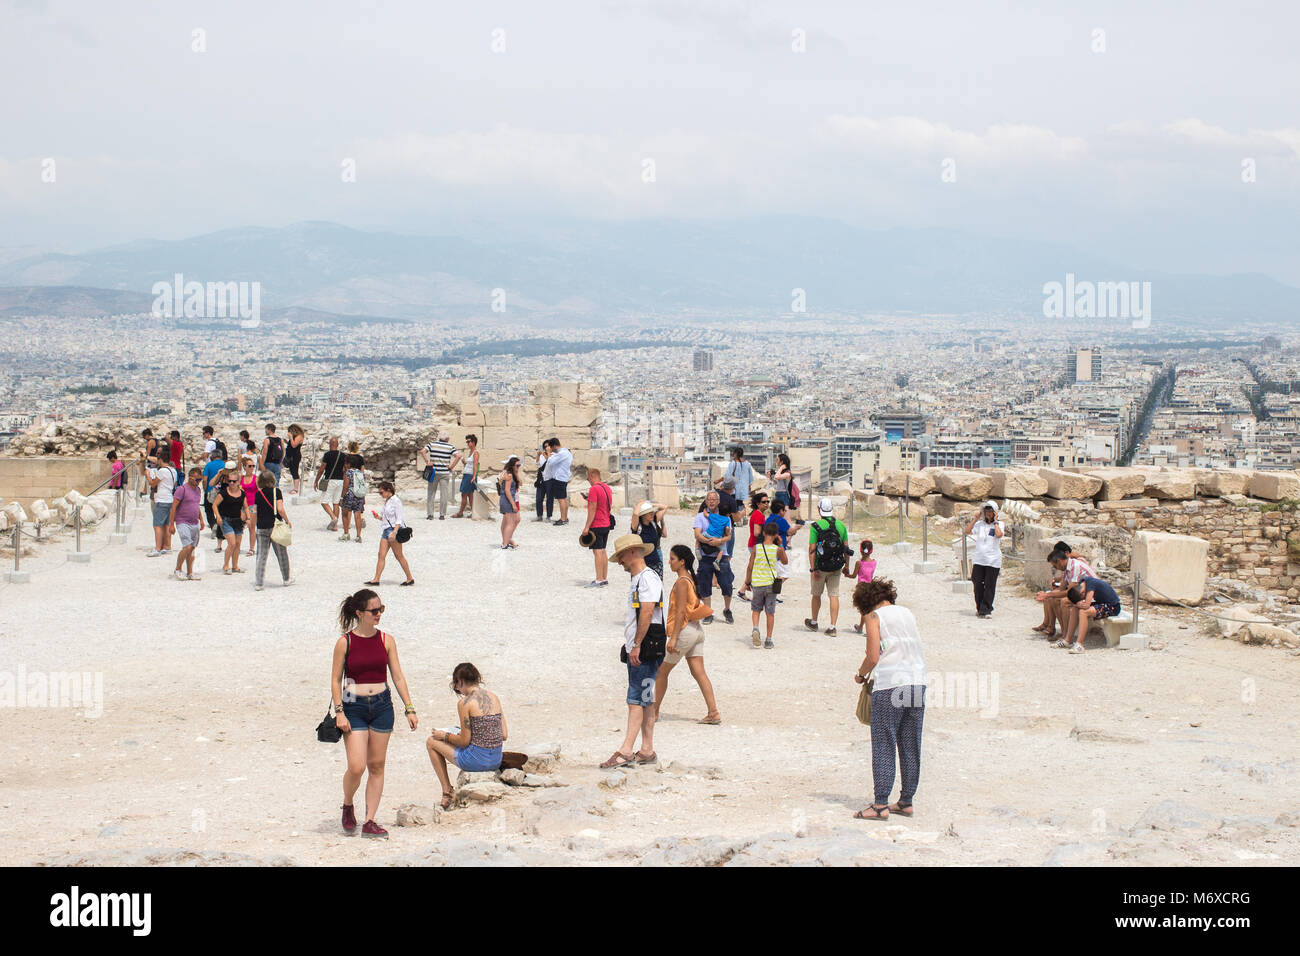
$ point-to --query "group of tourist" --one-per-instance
(1075, 599)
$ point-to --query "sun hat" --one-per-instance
(629, 541)
(646, 508)
(231, 466)
(587, 539)
(826, 508)
(990, 504)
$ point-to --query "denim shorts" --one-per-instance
(387, 533)
(371, 713)
(162, 514)
(474, 759)
(229, 527)
(641, 682)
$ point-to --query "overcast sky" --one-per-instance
(1135, 153)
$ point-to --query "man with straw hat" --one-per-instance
(644, 645)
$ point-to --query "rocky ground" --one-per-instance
(205, 751)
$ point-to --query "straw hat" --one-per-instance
(646, 508)
(629, 541)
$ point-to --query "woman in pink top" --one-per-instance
(248, 485)
(864, 572)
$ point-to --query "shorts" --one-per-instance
(371, 713)
(467, 484)
(557, 489)
(641, 682)
(828, 581)
(474, 759)
(333, 492)
(162, 514)
(709, 565)
(781, 496)
(387, 533)
(763, 601)
(1105, 610)
(189, 535)
(601, 535)
(690, 643)
(231, 527)
(274, 468)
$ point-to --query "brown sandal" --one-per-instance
(446, 799)
(903, 809)
(872, 812)
(646, 758)
(712, 720)
(617, 759)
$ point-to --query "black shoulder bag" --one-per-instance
(327, 731)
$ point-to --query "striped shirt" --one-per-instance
(765, 562)
(1076, 569)
(440, 453)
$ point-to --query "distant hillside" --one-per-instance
(598, 269)
(69, 301)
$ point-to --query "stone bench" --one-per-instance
(1113, 628)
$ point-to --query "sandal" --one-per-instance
(872, 812)
(646, 758)
(617, 759)
(714, 721)
(1040, 629)
(903, 809)
(446, 799)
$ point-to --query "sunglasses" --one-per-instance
(374, 610)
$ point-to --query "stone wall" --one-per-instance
(26, 480)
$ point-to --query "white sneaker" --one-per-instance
(194, 577)
(153, 554)
(289, 582)
(178, 574)
(257, 587)
(1076, 648)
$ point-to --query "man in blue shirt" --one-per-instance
(740, 472)
(210, 472)
(556, 473)
(1096, 600)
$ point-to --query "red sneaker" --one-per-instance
(349, 818)
(371, 828)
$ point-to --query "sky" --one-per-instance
(1163, 135)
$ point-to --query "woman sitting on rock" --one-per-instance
(475, 746)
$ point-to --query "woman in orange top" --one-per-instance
(685, 636)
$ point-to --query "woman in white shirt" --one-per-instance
(986, 561)
(896, 662)
(388, 540)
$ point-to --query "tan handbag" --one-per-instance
(864, 701)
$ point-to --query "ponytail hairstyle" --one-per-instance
(685, 555)
(865, 548)
(352, 606)
(465, 673)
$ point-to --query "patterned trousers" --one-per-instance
(896, 717)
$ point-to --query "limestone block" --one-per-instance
(1069, 485)
(963, 485)
(1275, 485)
(574, 438)
(1174, 564)
(575, 416)
(759, 483)
(946, 507)
(894, 484)
(1233, 619)
(1015, 483)
(512, 440)
(1127, 504)
(1221, 482)
(878, 506)
(1261, 632)
(471, 416)
(1117, 483)
(495, 416)
(456, 391)
(484, 507)
(1039, 542)
(1171, 486)
(522, 416)
(549, 393)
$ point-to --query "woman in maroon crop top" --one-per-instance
(363, 704)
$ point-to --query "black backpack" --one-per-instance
(274, 451)
(830, 547)
(220, 450)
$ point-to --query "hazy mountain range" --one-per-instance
(588, 271)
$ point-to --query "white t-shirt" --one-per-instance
(210, 448)
(166, 489)
(648, 589)
(988, 547)
(392, 512)
(902, 660)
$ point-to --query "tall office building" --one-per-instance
(1084, 365)
(703, 360)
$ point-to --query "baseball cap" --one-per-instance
(827, 507)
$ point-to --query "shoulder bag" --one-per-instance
(777, 580)
(281, 533)
(327, 731)
(864, 699)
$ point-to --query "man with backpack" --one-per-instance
(272, 456)
(828, 549)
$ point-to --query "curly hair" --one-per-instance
(869, 595)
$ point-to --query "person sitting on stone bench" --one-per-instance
(1096, 600)
(1071, 568)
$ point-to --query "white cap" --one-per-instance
(231, 465)
(991, 504)
(827, 507)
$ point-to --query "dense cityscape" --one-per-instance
(843, 395)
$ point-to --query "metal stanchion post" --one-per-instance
(119, 531)
(81, 557)
(925, 565)
(1137, 597)
(1134, 640)
(17, 575)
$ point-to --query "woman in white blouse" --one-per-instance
(896, 662)
(393, 522)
